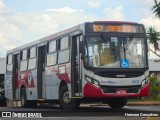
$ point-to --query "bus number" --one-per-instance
(97, 28)
(114, 28)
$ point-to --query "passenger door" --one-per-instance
(15, 76)
(41, 72)
(76, 67)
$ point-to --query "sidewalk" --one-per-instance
(144, 103)
(141, 103)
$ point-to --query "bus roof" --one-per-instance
(47, 38)
(58, 34)
(121, 22)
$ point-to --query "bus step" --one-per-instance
(41, 99)
(78, 94)
(77, 97)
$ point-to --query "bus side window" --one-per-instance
(9, 64)
(63, 52)
(64, 43)
(52, 46)
(23, 62)
(32, 58)
(52, 53)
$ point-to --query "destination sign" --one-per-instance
(115, 28)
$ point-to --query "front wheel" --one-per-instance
(117, 102)
(67, 103)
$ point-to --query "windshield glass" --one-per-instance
(115, 52)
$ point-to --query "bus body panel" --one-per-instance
(28, 79)
(117, 81)
(52, 83)
(8, 86)
(88, 92)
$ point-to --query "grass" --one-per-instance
(153, 118)
(144, 99)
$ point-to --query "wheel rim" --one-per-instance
(66, 98)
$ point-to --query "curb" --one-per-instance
(146, 103)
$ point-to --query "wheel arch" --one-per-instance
(22, 86)
(62, 83)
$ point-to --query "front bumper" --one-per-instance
(92, 91)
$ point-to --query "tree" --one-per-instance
(153, 37)
(156, 8)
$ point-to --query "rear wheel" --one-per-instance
(67, 103)
(117, 102)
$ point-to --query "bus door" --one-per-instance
(76, 67)
(41, 72)
(15, 76)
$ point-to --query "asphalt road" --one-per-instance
(85, 112)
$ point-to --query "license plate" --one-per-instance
(121, 91)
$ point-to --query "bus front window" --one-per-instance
(108, 53)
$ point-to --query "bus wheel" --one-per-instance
(117, 103)
(67, 103)
(23, 97)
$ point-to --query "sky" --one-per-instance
(24, 21)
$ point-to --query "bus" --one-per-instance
(2, 72)
(100, 61)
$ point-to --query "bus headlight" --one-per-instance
(145, 81)
(92, 81)
(95, 82)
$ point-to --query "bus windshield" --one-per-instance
(115, 52)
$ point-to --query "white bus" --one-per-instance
(95, 61)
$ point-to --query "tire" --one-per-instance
(65, 102)
(117, 103)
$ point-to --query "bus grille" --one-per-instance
(113, 89)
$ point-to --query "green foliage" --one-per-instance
(154, 88)
(153, 37)
(156, 8)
